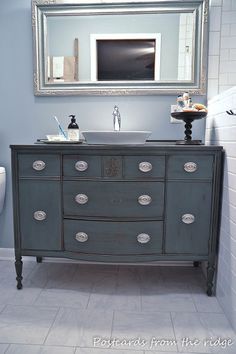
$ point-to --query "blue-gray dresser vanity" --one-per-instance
(117, 204)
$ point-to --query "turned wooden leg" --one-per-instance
(18, 266)
(210, 277)
(39, 259)
(196, 264)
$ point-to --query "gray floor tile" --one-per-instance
(49, 272)
(8, 273)
(1, 307)
(19, 297)
(106, 351)
(25, 324)
(201, 327)
(36, 349)
(79, 277)
(151, 278)
(167, 302)
(63, 298)
(60, 276)
(157, 352)
(74, 327)
(146, 327)
(206, 303)
(47, 286)
(119, 292)
(3, 348)
(178, 275)
(98, 268)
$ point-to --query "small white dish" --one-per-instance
(56, 138)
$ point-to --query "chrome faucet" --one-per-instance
(116, 119)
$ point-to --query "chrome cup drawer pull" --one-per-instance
(40, 215)
(81, 199)
(188, 218)
(39, 165)
(81, 237)
(144, 200)
(143, 238)
(81, 166)
(190, 167)
(145, 166)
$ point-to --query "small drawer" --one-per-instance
(115, 238)
(113, 199)
(33, 165)
(144, 166)
(81, 166)
(190, 167)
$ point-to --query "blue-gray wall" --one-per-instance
(24, 117)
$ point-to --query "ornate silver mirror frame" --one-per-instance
(42, 10)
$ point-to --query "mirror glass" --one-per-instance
(117, 48)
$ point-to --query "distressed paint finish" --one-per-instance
(112, 217)
(112, 237)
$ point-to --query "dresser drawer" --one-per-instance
(144, 166)
(188, 217)
(190, 166)
(82, 166)
(38, 165)
(117, 238)
(113, 199)
(40, 214)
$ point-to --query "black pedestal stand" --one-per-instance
(188, 118)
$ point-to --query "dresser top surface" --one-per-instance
(148, 146)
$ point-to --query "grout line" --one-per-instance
(6, 350)
(50, 327)
(223, 126)
(172, 323)
(112, 322)
(192, 297)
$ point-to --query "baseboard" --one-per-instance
(8, 254)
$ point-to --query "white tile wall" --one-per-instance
(222, 46)
(221, 130)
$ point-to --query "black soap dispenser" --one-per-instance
(73, 129)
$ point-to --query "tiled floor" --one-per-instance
(67, 308)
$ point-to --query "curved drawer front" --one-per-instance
(38, 165)
(144, 166)
(190, 167)
(113, 199)
(81, 166)
(113, 237)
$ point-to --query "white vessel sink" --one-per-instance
(116, 137)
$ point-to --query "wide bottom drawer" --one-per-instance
(110, 237)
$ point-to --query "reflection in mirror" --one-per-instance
(96, 48)
(117, 57)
